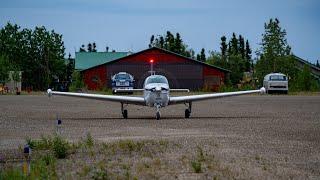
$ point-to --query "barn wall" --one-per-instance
(95, 78)
(212, 78)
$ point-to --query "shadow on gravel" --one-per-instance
(164, 118)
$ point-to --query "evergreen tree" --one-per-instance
(318, 65)
(89, 47)
(161, 42)
(198, 57)
(82, 48)
(248, 51)
(94, 47)
(241, 47)
(248, 57)
(191, 53)
(234, 44)
(178, 44)
(151, 41)
(169, 42)
(223, 47)
(229, 50)
(202, 55)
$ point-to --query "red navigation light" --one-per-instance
(151, 60)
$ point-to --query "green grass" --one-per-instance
(57, 145)
(89, 141)
(196, 166)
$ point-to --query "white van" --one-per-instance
(276, 82)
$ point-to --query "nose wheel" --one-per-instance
(158, 115)
(158, 106)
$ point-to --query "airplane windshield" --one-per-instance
(157, 79)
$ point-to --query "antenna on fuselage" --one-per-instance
(152, 72)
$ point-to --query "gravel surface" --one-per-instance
(256, 136)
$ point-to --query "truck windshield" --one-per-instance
(122, 76)
(278, 78)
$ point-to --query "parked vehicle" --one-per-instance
(122, 80)
(276, 82)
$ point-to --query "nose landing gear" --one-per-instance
(158, 111)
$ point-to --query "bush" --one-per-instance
(77, 82)
(45, 143)
(196, 165)
(89, 141)
(48, 159)
(60, 147)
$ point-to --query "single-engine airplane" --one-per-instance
(156, 94)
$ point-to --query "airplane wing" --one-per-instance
(191, 98)
(121, 99)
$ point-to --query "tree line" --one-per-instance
(38, 53)
(174, 43)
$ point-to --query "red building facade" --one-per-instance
(181, 72)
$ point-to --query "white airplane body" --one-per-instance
(156, 94)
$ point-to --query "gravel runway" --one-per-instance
(280, 132)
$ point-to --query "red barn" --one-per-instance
(181, 72)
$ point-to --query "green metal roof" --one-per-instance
(86, 60)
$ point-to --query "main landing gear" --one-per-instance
(187, 112)
(124, 112)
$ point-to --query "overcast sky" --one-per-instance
(126, 25)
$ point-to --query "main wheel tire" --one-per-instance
(158, 115)
(125, 114)
(187, 113)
